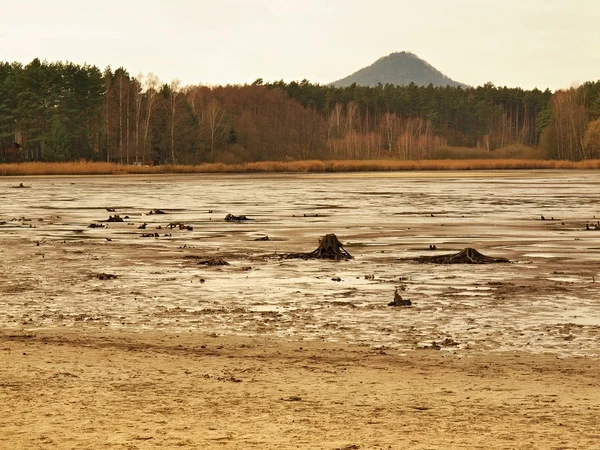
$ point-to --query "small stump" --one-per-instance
(399, 301)
(466, 256)
(329, 248)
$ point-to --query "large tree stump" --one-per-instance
(329, 248)
(466, 256)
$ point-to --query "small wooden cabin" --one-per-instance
(12, 152)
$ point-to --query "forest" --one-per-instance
(61, 111)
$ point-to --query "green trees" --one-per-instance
(64, 111)
(52, 110)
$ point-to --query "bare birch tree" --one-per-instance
(215, 119)
(174, 91)
(151, 94)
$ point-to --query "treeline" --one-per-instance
(64, 112)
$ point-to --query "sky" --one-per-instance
(517, 43)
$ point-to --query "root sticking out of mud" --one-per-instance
(466, 256)
(213, 261)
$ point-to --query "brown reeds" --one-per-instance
(104, 168)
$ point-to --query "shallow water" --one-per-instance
(545, 300)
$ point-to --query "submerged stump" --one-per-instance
(213, 261)
(466, 256)
(329, 248)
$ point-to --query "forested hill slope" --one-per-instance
(62, 111)
(400, 69)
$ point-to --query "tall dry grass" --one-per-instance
(514, 151)
(104, 168)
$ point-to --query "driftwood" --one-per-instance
(106, 276)
(179, 225)
(329, 248)
(465, 256)
(232, 218)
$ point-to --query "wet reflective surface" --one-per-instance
(546, 300)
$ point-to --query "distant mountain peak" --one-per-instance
(399, 68)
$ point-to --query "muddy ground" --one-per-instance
(100, 324)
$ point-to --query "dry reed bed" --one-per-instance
(105, 168)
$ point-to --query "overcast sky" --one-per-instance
(526, 43)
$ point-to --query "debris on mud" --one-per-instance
(399, 301)
(156, 211)
(264, 238)
(96, 225)
(150, 235)
(106, 276)
(308, 215)
(179, 225)
(434, 346)
(329, 248)
(232, 218)
(213, 261)
(115, 218)
(466, 256)
(449, 342)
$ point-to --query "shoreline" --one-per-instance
(293, 167)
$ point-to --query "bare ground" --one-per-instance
(113, 340)
(81, 389)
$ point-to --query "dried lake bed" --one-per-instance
(546, 300)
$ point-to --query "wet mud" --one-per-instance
(54, 263)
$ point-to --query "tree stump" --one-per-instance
(329, 248)
(399, 301)
(466, 256)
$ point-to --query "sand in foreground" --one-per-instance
(113, 389)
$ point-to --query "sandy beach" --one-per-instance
(80, 389)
